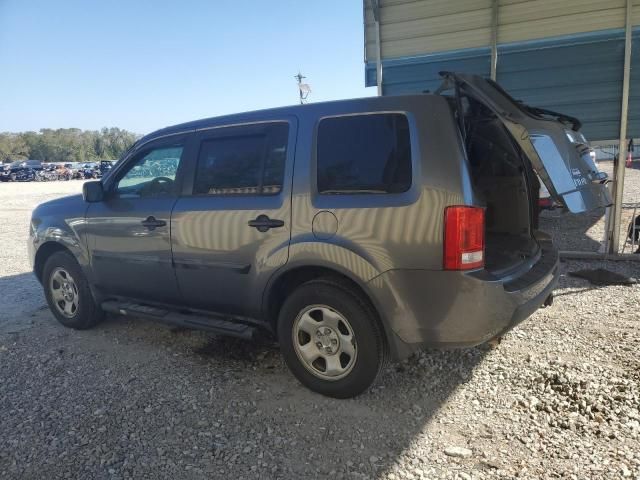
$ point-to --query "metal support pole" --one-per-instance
(618, 178)
(494, 39)
(375, 8)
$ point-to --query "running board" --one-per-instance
(211, 324)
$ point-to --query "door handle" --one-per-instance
(264, 223)
(151, 223)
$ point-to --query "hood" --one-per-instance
(71, 206)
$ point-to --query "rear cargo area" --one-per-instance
(505, 184)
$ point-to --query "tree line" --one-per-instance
(66, 145)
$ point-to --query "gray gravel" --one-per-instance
(585, 232)
(559, 397)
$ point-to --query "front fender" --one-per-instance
(49, 230)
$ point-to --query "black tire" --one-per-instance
(87, 314)
(370, 346)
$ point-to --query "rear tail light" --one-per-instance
(545, 202)
(463, 237)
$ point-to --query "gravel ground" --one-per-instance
(584, 232)
(559, 397)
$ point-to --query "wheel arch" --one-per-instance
(285, 281)
(44, 252)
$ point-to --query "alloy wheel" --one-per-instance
(324, 342)
(64, 292)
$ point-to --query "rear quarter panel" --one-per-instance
(380, 232)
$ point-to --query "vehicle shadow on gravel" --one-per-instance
(367, 435)
(571, 232)
(21, 294)
(234, 400)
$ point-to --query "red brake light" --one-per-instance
(463, 237)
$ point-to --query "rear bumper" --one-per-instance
(424, 308)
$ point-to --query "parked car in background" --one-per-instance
(89, 170)
(47, 173)
(408, 221)
(105, 167)
(21, 170)
(63, 172)
(23, 175)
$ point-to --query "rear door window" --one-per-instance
(244, 160)
(368, 153)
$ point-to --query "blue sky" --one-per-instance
(142, 64)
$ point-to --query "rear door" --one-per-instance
(230, 229)
(559, 153)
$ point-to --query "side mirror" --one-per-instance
(92, 192)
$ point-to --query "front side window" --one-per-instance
(364, 154)
(153, 174)
(246, 160)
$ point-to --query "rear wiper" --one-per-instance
(576, 124)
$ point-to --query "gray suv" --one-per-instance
(350, 231)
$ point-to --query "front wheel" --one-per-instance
(68, 294)
(331, 339)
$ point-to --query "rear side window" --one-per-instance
(364, 154)
(246, 160)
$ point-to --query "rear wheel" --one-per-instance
(68, 294)
(331, 339)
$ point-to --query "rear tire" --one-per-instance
(331, 338)
(68, 294)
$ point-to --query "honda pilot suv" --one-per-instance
(351, 231)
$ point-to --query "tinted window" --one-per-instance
(364, 154)
(152, 174)
(243, 161)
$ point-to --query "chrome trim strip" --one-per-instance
(241, 124)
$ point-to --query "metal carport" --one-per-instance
(573, 56)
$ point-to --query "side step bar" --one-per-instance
(188, 320)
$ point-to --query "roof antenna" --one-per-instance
(304, 89)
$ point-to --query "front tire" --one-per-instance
(331, 339)
(68, 294)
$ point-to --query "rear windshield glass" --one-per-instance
(364, 154)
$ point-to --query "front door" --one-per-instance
(232, 227)
(129, 232)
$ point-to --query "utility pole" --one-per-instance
(303, 88)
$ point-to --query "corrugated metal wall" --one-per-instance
(528, 20)
(418, 27)
(577, 71)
